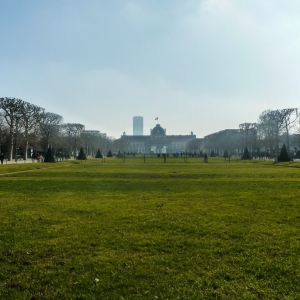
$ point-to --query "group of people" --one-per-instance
(37, 157)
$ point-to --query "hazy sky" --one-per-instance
(200, 66)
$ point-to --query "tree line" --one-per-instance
(273, 128)
(26, 129)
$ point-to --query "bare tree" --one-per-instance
(103, 141)
(31, 117)
(272, 123)
(50, 125)
(248, 129)
(122, 145)
(90, 138)
(73, 129)
(290, 116)
(12, 108)
(2, 127)
(266, 130)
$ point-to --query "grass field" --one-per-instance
(154, 230)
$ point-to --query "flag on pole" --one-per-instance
(156, 118)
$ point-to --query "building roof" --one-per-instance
(158, 130)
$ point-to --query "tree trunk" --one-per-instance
(287, 138)
(75, 152)
(48, 141)
(288, 142)
(11, 146)
(277, 141)
(26, 149)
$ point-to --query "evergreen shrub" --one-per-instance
(246, 154)
(98, 154)
(81, 155)
(284, 156)
(49, 158)
(109, 154)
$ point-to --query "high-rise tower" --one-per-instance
(138, 124)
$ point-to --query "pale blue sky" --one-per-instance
(199, 66)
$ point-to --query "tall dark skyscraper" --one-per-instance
(138, 125)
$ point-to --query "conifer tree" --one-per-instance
(49, 158)
(212, 153)
(98, 154)
(246, 154)
(81, 155)
(283, 156)
(109, 154)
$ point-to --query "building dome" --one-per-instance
(158, 130)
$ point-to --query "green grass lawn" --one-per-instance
(154, 230)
